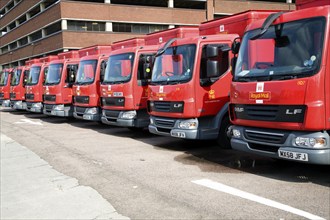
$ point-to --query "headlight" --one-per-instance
(188, 125)
(91, 111)
(59, 108)
(128, 115)
(310, 142)
(151, 121)
(236, 133)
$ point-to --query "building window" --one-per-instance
(12, 25)
(86, 26)
(36, 36)
(51, 29)
(159, 3)
(21, 19)
(137, 28)
(12, 46)
(23, 41)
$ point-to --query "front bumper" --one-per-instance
(5, 102)
(261, 147)
(112, 117)
(58, 110)
(18, 105)
(85, 113)
(34, 107)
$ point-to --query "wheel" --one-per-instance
(223, 140)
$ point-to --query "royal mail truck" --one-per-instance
(34, 84)
(5, 77)
(190, 84)
(58, 85)
(124, 88)
(86, 89)
(17, 85)
(280, 94)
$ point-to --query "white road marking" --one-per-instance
(27, 121)
(249, 196)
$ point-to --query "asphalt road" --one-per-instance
(152, 177)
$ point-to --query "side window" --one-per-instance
(102, 69)
(25, 77)
(71, 71)
(214, 63)
(45, 73)
(145, 66)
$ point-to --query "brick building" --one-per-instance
(34, 28)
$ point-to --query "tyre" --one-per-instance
(223, 140)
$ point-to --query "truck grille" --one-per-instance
(29, 96)
(81, 99)
(264, 136)
(50, 98)
(79, 110)
(113, 101)
(13, 95)
(166, 123)
(48, 108)
(278, 113)
(164, 106)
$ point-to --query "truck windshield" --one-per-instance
(54, 74)
(33, 76)
(4, 78)
(15, 78)
(119, 68)
(286, 51)
(86, 72)
(175, 65)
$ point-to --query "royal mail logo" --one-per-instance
(260, 95)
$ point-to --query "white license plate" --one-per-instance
(178, 134)
(53, 113)
(293, 155)
(87, 117)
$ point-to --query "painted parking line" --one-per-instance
(27, 121)
(249, 196)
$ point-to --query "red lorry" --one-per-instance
(5, 77)
(58, 85)
(189, 88)
(280, 94)
(124, 88)
(86, 89)
(17, 85)
(34, 84)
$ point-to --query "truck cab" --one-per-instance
(58, 85)
(280, 94)
(5, 77)
(17, 85)
(190, 84)
(86, 89)
(34, 84)
(124, 88)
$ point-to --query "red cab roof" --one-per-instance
(301, 4)
(68, 55)
(95, 50)
(132, 42)
(233, 24)
(165, 35)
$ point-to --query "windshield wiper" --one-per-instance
(269, 20)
